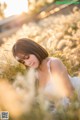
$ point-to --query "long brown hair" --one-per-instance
(26, 46)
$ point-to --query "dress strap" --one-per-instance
(48, 64)
(49, 68)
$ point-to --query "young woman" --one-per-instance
(54, 81)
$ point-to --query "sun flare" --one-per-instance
(15, 7)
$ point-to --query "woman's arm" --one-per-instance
(61, 79)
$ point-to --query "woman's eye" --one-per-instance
(21, 61)
(27, 57)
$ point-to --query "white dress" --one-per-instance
(50, 89)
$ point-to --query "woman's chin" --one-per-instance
(34, 66)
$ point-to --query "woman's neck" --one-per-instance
(42, 65)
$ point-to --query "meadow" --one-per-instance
(60, 36)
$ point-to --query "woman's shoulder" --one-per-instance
(54, 60)
(56, 63)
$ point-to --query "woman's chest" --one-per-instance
(46, 86)
(43, 77)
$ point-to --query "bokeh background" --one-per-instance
(54, 24)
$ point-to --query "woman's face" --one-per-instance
(28, 60)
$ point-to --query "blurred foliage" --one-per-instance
(71, 112)
(71, 32)
(10, 71)
(36, 5)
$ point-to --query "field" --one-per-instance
(60, 35)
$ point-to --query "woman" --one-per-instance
(54, 81)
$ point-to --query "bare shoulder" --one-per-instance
(56, 63)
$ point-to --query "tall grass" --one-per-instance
(61, 38)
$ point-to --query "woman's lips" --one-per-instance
(31, 64)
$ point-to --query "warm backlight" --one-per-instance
(15, 7)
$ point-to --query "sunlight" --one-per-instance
(15, 7)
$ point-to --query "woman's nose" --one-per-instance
(27, 62)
